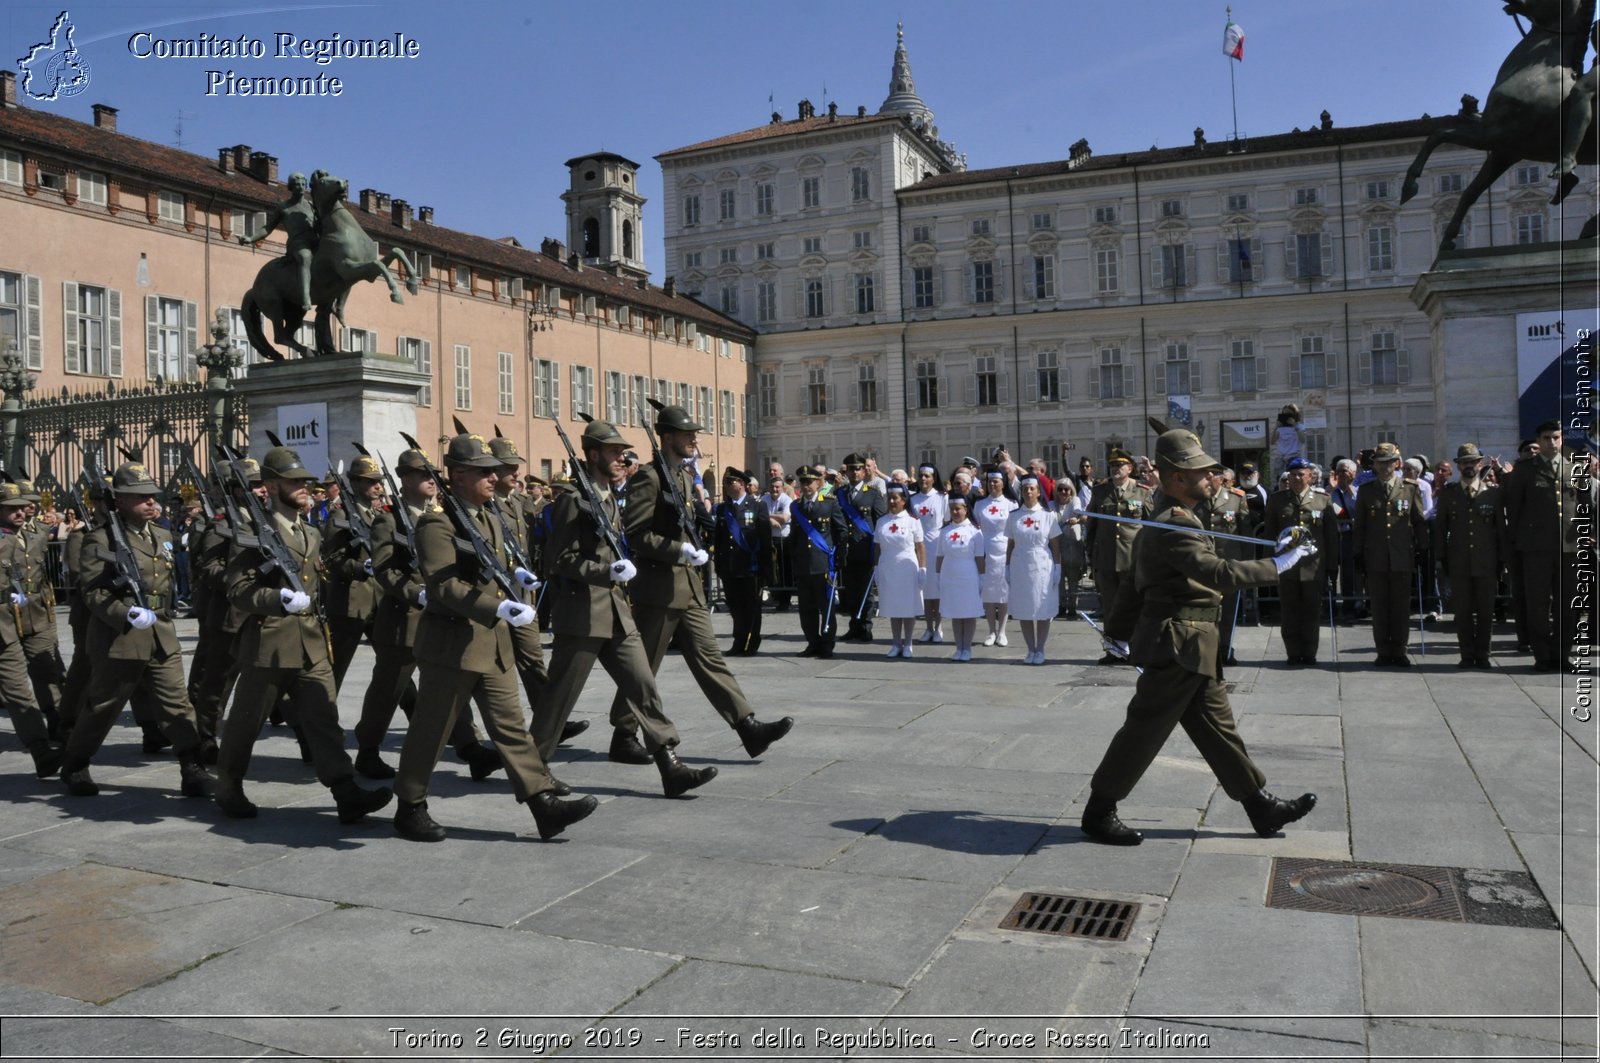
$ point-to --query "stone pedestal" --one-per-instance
(320, 406)
(1472, 298)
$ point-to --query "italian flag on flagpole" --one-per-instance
(1233, 40)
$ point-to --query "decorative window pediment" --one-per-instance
(728, 175)
(809, 163)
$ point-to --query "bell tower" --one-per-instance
(605, 214)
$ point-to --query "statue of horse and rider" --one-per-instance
(327, 253)
(1541, 108)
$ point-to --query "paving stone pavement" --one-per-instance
(841, 896)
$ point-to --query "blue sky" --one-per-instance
(479, 124)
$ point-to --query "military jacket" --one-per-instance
(1111, 545)
(1226, 511)
(350, 591)
(587, 601)
(1312, 511)
(1542, 500)
(268, 636)
(655, 535)
(398, 578)
(805, 558)
(459, 627)
(536, 518)
(1169, 611)
(1469, 528)
(1388, 525)
(753, 560)
(25, 564)
(110, 634)
(215, 550)
(857, 545)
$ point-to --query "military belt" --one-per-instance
(1200, 614)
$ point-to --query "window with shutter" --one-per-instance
(34, 315)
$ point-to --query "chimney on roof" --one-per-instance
(833, 111)
(1327, 121)
(575, 262)
(776, 117)
(400, 213)
(861, 111)
(553, 248)
(670, 287)
(1079, 152)
(425, 215)
(225, 160)
(241, 158)
(806, 110)
(368, 198)
(381, 201)
(105, 117)
(8, 88)
(264, 167)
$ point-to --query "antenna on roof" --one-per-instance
(177, 129)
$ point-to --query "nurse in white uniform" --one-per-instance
(960, 562)
(1033, 567)
(928, 506)
(899, 572)
(991, 514)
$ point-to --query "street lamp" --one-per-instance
(219, 359)
(14, 381)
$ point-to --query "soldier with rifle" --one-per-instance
(41, 640)
(350, 596)
(94, 497)
(16, 690)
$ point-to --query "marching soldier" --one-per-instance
(465, 649)
(862, 505)
(350, 595)
(1469, 535)
(1109, 544)
(536, 512)
(818, 526)
(283, 647)
(1300, 590)
(1545, 496)
(134, 646)
(16, 688)
(75, 689)
(669, 598)
(1226, 511)
(1388, 520)
(592, 619)
(742, 554)
(1168, 616)
(394, 632)
(41, 641)
(216, 548)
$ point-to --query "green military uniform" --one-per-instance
(220, 667)
(16, 688)
(669, 598)
(133, 643)
(1110, 545)
(464, 646)
(593, 622)
(1387, 523)
(1227, 511)
(350, 597)
(508, 510)
(1469, 534)
(281, 651)
(76, 687)
(41, 640)
(1169, 615)
(1301, 589)
(1549, 508)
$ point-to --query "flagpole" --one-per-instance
(1233, 90)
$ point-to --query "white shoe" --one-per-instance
(926, 636)
(1000, 640)
(956, 656)
(894, 651)
(938, 635)
(990, 640)
(905, 651)
(1038, 656)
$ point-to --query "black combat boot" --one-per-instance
(154, 741)
(573, 729)
(354, 802)
(1100, 822)
(1268, 814)
(757, 736)
(197, 782)
(75, 774)
(412, 821)
(371, 765)
(559, 788)
(480, 760)
(626, 748)
(47, 758)
(677, 778)
(234, 804)
(553, 815)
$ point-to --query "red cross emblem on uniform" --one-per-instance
(923, 510)
(894, 528)
(1027, 522)
(994, 511)
(955, 537)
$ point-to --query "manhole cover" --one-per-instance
(1067, 916)
(1409, 891)
(1364, 889)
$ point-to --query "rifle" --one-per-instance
(202, 486)
(402, 515)
(469, 540)
(128, 576)
(360, 530)
(580, 476)
(518, 556)
(669, 482)
(229, 506)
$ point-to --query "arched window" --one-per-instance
(627, 239)
(591, 238)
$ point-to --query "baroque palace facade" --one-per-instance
(117, 251)
(920, 311)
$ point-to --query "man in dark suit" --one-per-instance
(862, 504)
(816, 529)
(742, 551)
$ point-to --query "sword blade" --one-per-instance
(1180, 528)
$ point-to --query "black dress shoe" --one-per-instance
(757, 736)
(1110, 658)
(677, 778)
(1268, 814)
(572, 729)
(75, 774)
(1400, 660)
(553, 815)
(196, 781)
(1101, 823)
(234, 804)
(1466, 662)
(413, 822)
(371, 765)
(825, 655)
(1523, 647)
(809, 651)
(1231, 661)
(626, 748)
(559, 788)
(355, 803)
(47, 757)
(481, 760)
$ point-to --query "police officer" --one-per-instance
(134, 644)
(350, 596)
(464, 648)
(1110, 544)
(1469, 536)
(16, 688)
(862, 504)
(742, 551)
(592, 619)
(1546, 498)
(1168, 617)
(669, 598)
(283, 647)
(817, 525)
(1388, 520)
(1305, 508)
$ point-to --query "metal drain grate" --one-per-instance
(1408, 891)
(1067, 916)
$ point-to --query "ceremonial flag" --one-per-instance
(1233, 41)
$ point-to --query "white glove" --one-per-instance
(1115, 647)
(18, 598)
(366, 566)
(294, 601)
(1287, 560)
(515, 613)
(527, 579)
(697, 558)
(1055, 575)
(1287, 538)
(922, 578)
(422, 596)
(623, 571)
(141, 617)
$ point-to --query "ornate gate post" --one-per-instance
(219, 358)
(14, 381)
